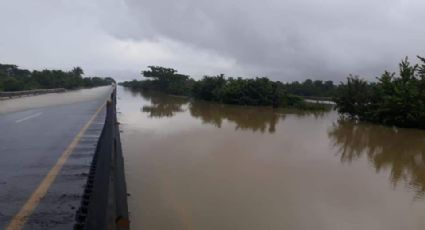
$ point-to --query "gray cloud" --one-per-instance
(287, 40)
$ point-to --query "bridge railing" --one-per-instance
(104, 202)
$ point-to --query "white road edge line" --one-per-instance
(29, 117)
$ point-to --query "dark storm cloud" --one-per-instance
(290, 39)
(286, 40)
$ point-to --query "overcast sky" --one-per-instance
(283, 39)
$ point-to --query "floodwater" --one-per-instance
(198, 165)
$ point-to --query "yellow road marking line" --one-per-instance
(19, 220)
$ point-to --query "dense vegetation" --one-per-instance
(162, 79)
(13, 78)
(392, 100)
(313, 89)
(258, 91)
(395, 100)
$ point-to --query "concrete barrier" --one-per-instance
(104, 202)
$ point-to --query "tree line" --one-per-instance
(312, 88)
(394, 100)
(221, 89)
(13, 78)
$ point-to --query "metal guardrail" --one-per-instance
(104, 202)
(30, 92)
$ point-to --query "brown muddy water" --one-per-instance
(198, 165)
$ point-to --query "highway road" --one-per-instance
(46, 146)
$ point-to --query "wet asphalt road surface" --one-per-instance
(32, 138)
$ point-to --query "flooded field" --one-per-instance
(198, 165)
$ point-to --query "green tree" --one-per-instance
(77, 71)
(13, 78)
(167, 80)
(392, 100)
(353, 97)
(209, 88)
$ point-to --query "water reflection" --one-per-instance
(260, 119)
(192, 170)
(402, 151)
(163, 105)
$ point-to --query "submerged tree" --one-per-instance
(353, 96)
(166, 80)
(392, 100)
